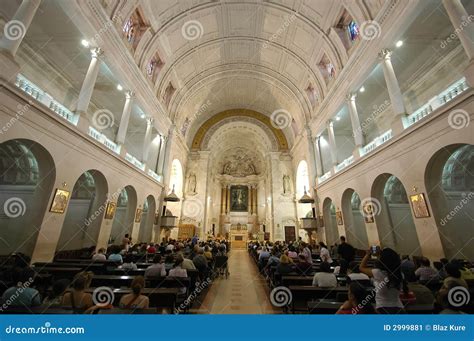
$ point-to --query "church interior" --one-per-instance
(236, 157)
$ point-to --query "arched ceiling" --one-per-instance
(259, 55)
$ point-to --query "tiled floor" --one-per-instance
(244, 292)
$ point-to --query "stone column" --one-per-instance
(167, 155)
(223, 193)
(464, 28)
(311, 160)
(88, 87)
(255, 201)
(319, 162)
(127, 109)
(147, 139)
(332, 144)
(250, 206)
(356, 128)
(394, 92)
(161, 156)
(15, 29)
(228, 200)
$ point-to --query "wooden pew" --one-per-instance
(302, 294)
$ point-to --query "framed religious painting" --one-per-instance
(138, 215)
(419, 206)
(60, 200)
(110, 210)
(339, 219)
(368, 212)
(239, 196)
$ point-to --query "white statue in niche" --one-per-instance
(286, 185)
(192, 183)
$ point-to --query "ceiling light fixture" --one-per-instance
(119, 87)
(362, 89)
(338, 118)
(85, 43)
(399, 43)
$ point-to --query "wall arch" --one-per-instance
(148, 218)
(330, 225)
(124, 214)
(356, 232)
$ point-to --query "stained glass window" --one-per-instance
(353, 29)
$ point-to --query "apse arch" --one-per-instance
(393, 216)
(27, 177)
(85, 212)
(449, 180)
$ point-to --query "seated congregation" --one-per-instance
(140, 278)
(343, 280)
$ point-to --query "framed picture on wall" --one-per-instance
(339, 219)
(138, 215)
(368, 212)
(419, 206)
(60, 200)
(110, 210)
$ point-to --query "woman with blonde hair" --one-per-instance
(135, 300)
(285, 266)
(77, 298)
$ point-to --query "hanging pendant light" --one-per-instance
(172, 197)
(306, 199)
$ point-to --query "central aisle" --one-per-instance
(244, 292)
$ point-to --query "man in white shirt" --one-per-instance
(325, 278)
(157, 269)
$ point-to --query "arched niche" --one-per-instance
(330, 224)
(148, 218)
(356, 232)
(27, 176)
(124, 215)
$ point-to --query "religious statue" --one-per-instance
(192, 183)
(286, 184)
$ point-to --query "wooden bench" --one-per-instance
(302, 294)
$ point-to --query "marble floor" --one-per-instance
(244, 292)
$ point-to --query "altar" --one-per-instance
(238, 236)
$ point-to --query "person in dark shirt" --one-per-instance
(346, 251)
(303, 267)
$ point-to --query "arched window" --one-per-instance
(302, 178)
(176, 178)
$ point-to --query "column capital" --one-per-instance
(351, 96)
(96, 52)
(385, 54)
(129, 94)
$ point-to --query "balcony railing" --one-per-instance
(34, 91)
(104, 140)
(345, 163)
(154, 175)
(444, 97)
(134, 161)
(378, 141)
(324, 177)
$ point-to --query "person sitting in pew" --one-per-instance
(324, 253)
(169, 262)
(356, 295)
(325, 278)
(135, 300)
(157, 269)
(115, 255)
(285, 266)
(55, 297)
(178, 271)
(306, 251)
(454, 275)
(187, 263)
(408, 267)
(21, 295)
(425, 272)
(341, 269)
(274, 260)
(303, 267)
(354, 274)
(77, 298)
(388, 280)
(292, 252)
(128, 263)
(151, 249)
(99, 256)
(443, 299)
